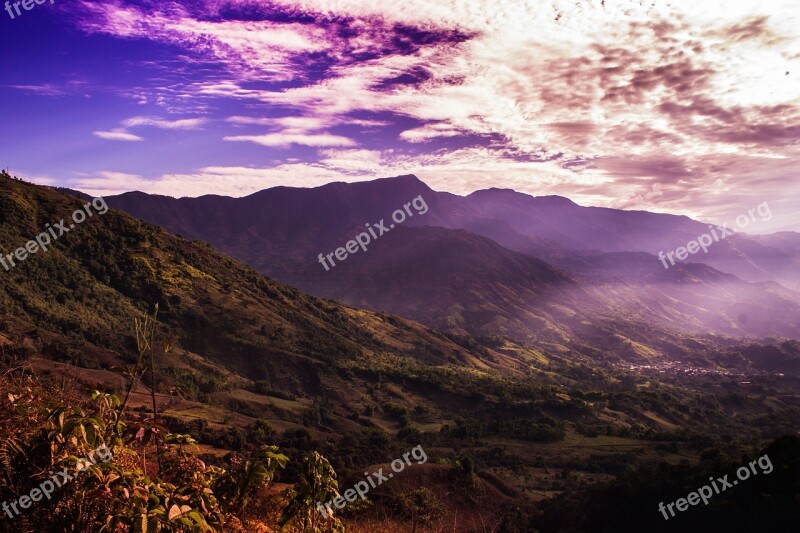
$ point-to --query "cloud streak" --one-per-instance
(284, 140)
(155, 122)
(117, 135)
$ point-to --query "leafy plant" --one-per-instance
(319, 485)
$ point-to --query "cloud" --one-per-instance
(45, 89)
(284, 140)
(63, 87)
(301, 130)
(258, 121)
(180, 124)
(303, 124)
(258, 49)
(353, 161)
(117, 135)
(307, 123)
(366, 123)
(429, 132)
(121, 134)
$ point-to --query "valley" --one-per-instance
(260, 363)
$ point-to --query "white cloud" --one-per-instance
(284, 140)
(117, 135)
(261, 49)
(429, 132)
(302, 124)
(366, 123)
(357, 161)
(307, 123)
(156, 122)
(258, 121)
(306, 131)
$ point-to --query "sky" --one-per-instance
(689, 107)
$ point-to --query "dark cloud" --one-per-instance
(663, 170)
(413, 77)
(759, 134)
(754, 28)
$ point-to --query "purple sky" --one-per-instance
(691, 108)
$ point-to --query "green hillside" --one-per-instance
(258, 363)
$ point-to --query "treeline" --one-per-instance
(767, 502)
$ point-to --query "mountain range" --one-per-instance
(552, 371)
(542, 270)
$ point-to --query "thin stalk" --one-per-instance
(153, 396)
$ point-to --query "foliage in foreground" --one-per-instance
(149, 479)
(131, 492)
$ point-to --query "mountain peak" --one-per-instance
(405, 180)
(555, 201)
(403, 184)
(408, 177)
(497, 193)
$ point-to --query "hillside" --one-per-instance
(77, 302)
(261, 363)
(94, 280)
(453, 281)
(505, 288)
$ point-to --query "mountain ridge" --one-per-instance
(280, 232)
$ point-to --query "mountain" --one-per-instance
(583, 228)
(276, 229)
(458, 282)
(548, 264)
(86, 289)
(260, 363)
(750, 257)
